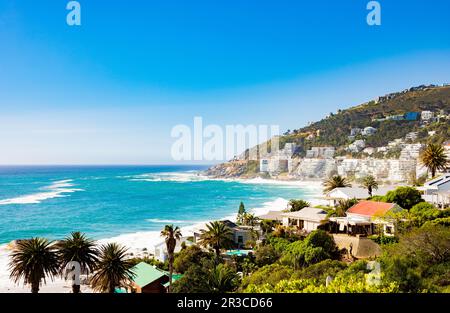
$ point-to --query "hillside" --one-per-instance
(334, 130)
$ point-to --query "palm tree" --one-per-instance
(370, 183)
(335, 181)
(343, 205)
(113, 269)
(434, 158)
(78, 248)
(222, 279)
(171, 235)
(34, 260)
(217, 236)
(297, 205)
(250, 219)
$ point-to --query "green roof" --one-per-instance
(145, 274)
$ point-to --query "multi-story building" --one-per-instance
(411, 151)
(278, 161)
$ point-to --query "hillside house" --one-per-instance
(437, 191)
(240, 234)
(364, 218)
(161, 248)
(307, 219)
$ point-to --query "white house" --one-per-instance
(437, 191)
(358, 193)
(240, 234)
(161, 248)
(363, 217)
(369, 131)
(307, 219)
(426, 115)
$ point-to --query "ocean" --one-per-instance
(110, 201)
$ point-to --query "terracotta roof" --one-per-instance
(371, 208)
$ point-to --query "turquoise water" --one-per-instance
(108, 201)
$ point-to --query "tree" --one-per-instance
(268, 274)
(370, 183)
(33, 260)
(188, 256)
(267, 226)
(171, 235)
(217, 236)
(342, 207)
(78, 248)
(241, 213)
(434, 158)
(316, 247)
(249, 219)
(222, 279)
(297, 205)
(266, 254)
(241, 208)
(335, 181)
(406, 197)
(113, 269)
(207, 277)
(420, 260)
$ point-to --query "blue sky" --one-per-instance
(110, 90)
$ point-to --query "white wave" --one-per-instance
(169, 176)
(57, 189)
(161, 221)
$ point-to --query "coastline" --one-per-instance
(142, 243)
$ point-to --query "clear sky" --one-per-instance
(110, 90)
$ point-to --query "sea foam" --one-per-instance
(57, 189)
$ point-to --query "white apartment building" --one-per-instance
(278, 161)
(321, 152)
(426, 115)
(411, 151)
(382, 169)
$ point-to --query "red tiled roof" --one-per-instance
(371, 208)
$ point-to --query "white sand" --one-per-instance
(137, 242)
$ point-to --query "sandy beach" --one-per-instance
(142, 243)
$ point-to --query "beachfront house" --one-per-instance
(307, 219)
(437, 191)
(273, 216)
(364, 217)
(161, 248)
(358, 193)
(148, 279)
(241, 235)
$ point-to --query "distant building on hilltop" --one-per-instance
(426, 115)
(368, 131)
(412, 116)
